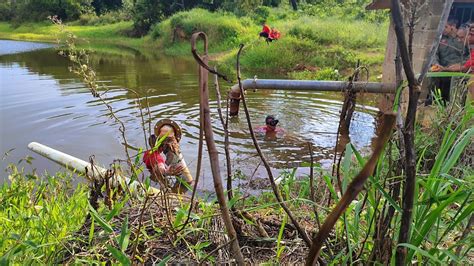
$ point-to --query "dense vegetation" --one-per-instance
(45, 220)
(321, 42)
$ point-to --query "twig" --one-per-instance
(137, 232)
(276, 191)
(226, 139)
(311, 184)
(211, 147)
(352, 190)
(204, 64)
(215, 250)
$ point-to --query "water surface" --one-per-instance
(40, 100)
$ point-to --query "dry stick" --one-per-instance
(137, 232)
(352, 191)
(384, 221)
(230, 193)
(226, 139)
(211, 147)
(276, 191)
(215, 250)
(311, 184)
(344, 123)
(198, 167)
(409, 129)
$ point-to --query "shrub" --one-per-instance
(6, 11)
(221, 28)
(261, 14)
(107, 18)
(348, 34)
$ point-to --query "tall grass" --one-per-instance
(306, 41)
(349, 34)
(224, 30)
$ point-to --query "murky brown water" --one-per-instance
(42, 101)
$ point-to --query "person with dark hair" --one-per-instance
(270, 129)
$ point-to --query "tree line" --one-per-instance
(145, 13)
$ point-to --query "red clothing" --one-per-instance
(470, 61)
(275, 34)
(266, 29)
(153, 159)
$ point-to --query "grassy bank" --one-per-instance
(111, 34)
(308, 42)
(310, 47)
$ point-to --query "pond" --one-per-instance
(42, 101)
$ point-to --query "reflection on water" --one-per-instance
(42, 101)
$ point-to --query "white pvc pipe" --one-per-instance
(77, 165)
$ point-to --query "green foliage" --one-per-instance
(39, 10)
(261, 14)
(322, 74)
(92, 19)
(351, 9)
(223, 29)
(104, 6)
(37, 216)
(346, 33)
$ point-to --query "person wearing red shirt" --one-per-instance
(266, 31)
(155, 162)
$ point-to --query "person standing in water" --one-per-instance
(270, 129)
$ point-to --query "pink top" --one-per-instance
(153, 159)
(264, 129)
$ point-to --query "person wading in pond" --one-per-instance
(270, 129)
(166, 160)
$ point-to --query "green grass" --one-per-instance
(47, 32)
(38, 215)
(309, 41)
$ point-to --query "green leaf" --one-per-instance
(420, 251)
(358, 156)
(164, 261)
(180, 214)
(91, 231)
(116, 209)
(100, 220)
(396, 102)
(386, 195)
(124, 235)
(447, 74)
(430, 219)
(327, 179)
(456, 151)
(280, 236)
(119, 255)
